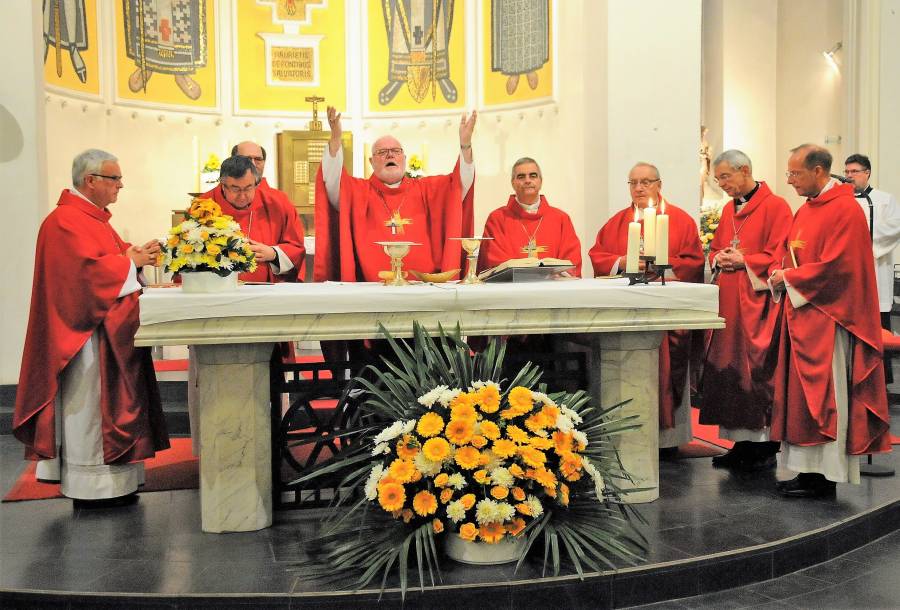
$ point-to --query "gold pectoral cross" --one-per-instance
(735, 242)
(396, 223)
(532, 249)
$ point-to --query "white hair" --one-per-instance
(735, 159)
(89, 162)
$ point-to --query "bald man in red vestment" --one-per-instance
(736, 387)
(528, 226)
(830, 400)
(686, 257)
(87, 405)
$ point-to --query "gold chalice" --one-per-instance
(397, 250)
(471, 246)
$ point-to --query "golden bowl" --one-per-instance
(436, 278)
(387, 276)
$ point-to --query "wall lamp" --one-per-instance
(829, 55)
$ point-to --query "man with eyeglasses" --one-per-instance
(830, 403)
(88, 405)
(736, 386)
(269, 221)
(257, 154)
(686, 257)
(354, 213)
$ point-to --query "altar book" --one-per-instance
(528, 269)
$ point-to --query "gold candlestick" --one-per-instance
(396, 250)
(471, 246)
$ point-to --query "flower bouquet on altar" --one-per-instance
(209, 173)
(710, 215)
(207, 241)
(415, 167)
(445, 447)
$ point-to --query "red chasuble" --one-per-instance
(270, 219)
(686, 258)
(836, 273)
(79, 271)
(736, 387)
(345, 239)
(512, 228)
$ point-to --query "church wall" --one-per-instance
(21, 172)
(887, 175)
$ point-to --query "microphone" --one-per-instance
(843, 179)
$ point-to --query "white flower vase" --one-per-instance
(208, 282)
(481, 553)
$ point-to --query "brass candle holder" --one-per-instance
(471, 246)
(396, 250)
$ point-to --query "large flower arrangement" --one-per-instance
(710, 215)
(448, 448)
(207, 241)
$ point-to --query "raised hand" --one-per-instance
(334, 123)
(466, 128)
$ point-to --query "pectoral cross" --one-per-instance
(735, 242)
(532, 249)
(396, 223)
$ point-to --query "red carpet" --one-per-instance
(174, 468)
(710, 434)
(182, 365)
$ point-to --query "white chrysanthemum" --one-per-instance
(456, 512)
(394, 430)
(189, 225)
(580, 437)
(426, 466)
(372, 482)
(592, 471)
(575, 417)
(456, 480)
(477, 385)
(409, 426)
(428, 399)
(501, 476)
(194, 235)
(381, 449)
(506, 511)
(564, 424)
(535, 506)
(225, 262)
(447, 396)
(542, 398)
(486, 511)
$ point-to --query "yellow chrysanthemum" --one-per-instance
(492, 533)
(424, 503)
(570, 466)
(534, 422)
(391, 496)
(504, 448)
(516, 471)
(539, 442)
(462, 399)
(468, 457)
(489, 430)
(407, 447)
(518, 494)
(479, 441)
(460, 431)
(517, 434)
(438, 526)
(549, 414)
(468, 501)
(446, 495)
(463, 411)
(562, 442)
(524, 509)
(468, 531)
(441, 479)
(516, 526)
(542, 476)
(481, 476)
(402, 470)
(488, 399)
(499, 492)
(520, 399)
(550, 491)
(436, 449)
(430, 424)
(532, 457)
(564, 494)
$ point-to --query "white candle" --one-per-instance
(649, 229)
(662, 236)
(195, 163)
(632, 256)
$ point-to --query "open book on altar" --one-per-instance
(526, 270)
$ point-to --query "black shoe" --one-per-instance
(756, 464)
(807, 485)
(731, 459)
(117, 502)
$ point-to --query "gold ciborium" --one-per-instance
(397, 250)
(471, 246)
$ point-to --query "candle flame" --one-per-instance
(650, 202)
(636, 218)
(662, 206)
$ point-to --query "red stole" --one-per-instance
(736, 388)
(512, 227)
(345, 248)
(836, 274)
(78, 273)
(270, 219)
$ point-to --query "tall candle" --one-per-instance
(195, 162)
(662, 236)
(632, 256)
(649, 229)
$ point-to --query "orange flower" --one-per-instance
(481, 476)
(499, 492)
(570, 466)
(468, 457)
(417, 476)
(436, 449)
(524, 509)
(532, 456)
(516, 471)
(479, 441)
(391, 496)
(446, 495)
(517, 434)
(518, 494)
(516, 526)
(520, 400)
(402, 470)
(544, 477)
(407, 515)
(424, 503)
(504, 448)
(463, 411)
(562, 442)
(407, 448)
(438, 526)
(539, 442)
(550, 491)
(441, 479)
(564, 494)
(468, 531)
(489, 430)
(535, 422)
(488, 399)
(430, 424)
(468, 501)
(492, 533)
(549, 414)
(460, 431)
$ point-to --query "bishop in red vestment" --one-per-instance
(81, 373)
(736, 386)
(528, 226)
(686, 257)
(353, 213)
(830, 400)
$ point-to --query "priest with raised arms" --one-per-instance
(736, 386)
(686, 257)
(528, 226)
(354, 213)
(830, 401)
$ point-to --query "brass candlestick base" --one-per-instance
(471, 246)
(396, 250)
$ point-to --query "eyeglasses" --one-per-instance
(794, 173)
(853, 172)
(239, 190)
(113, 178)
(723, 178)
(644, 183)
(384, 152)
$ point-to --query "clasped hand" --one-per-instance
(144, 255)
(730, 259)
(262, 252)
